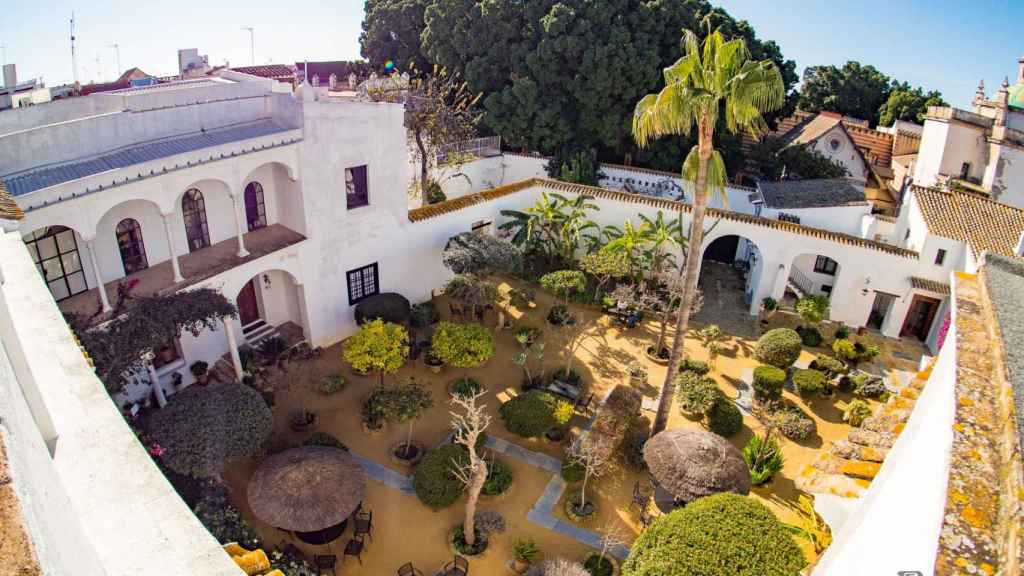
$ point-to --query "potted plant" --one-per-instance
(176, 380)
(379, 345)
(434, 364)
(371, 417)
(637, 373)
(403, 402)
(524, 552)
(769, 306)
(303, 420)
(200, 371)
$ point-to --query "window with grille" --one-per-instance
(129, 242)
(357, 193)
(362, 283)
(255, 209)
(193, 209)
(825, 265)
(55, 253)
(940, 257)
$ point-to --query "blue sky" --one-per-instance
(944, 45)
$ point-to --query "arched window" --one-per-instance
(255, 211)
(193, 208)
(129, 241)
(55, 252)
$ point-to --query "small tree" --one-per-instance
(813, 309)
(481, 254)
(572, 335)
(469, 421)
(564, 283)
(379, 345)
(401, 402)
(604, 265)
(471, 291)
(530, 347)
(669, 299)
(462, 345)
(613, 534)
(712, 337)
(592, 454)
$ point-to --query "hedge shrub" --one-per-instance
(768, 382)
(829, 365)
(691, 365)
(465, 387)
(435, 481)
(856, 412)
(779, 347)
(499, 478)
(530, 414)
(725, 418)
(325, 439)
(204, 427)
(223, 521)
(867, 385)
(809, 335)
(794, 423)
(697, 394)
(809, 382)
(720, 535)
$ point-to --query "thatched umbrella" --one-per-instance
(307, 489)
(690, 464)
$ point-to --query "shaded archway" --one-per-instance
(730, 272)
(811, 274)
(271, 303)
(131, 246)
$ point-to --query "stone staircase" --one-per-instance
(257, 332)
(848, 466)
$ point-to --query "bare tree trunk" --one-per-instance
(700, 198)
(408, 441)
(479, 477)
(583, 491)
(424, 169)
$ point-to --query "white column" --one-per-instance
(170, 249)
(161, 398)
(242, 252)
(90, 245)
(236, 360)
(303, 312)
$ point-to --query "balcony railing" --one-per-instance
(467, 149)
(802, 282)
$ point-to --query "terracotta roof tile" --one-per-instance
(9, 209)
(982, 223)
(929, 285)
(274, 71)
(434, 210)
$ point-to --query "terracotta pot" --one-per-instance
(520, 566)
(395, 457)
(653, 357)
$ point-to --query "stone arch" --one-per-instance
(282, 195)
(218, 206)
(731, 272)
(267, 301)
(151, 227)
(61, 255)
(812, 273)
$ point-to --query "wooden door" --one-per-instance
(919, 318)
(248, 309)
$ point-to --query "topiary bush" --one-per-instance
(779, 347)
(465, 387)
(572, 470)
(424, 314)
(867, 385)
(387, 306)
(697, 394)
(332, 384)
(856, 412)
(720, 535)
(435, 479)
(725, 418)
(462, 345)
(768, 382)
(204, 427)
(794, 423)
(831, 366)
(844, 350)
(499, 478)
(691, 365)
(530, 414)
(809, 382)
(325, 439)
(809, 335)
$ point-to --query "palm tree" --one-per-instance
(554, 224)
(630, 240)
(660, 236)
(718, 78)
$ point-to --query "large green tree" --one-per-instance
(909, 104)
(854, 90)
(716, 80)
(391, 31)
(773, 158)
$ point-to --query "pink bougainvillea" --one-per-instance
(943, 331)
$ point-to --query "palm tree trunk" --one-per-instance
(700, 198)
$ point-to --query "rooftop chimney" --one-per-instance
(10, 76)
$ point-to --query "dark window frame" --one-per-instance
(826, 265)
(254, 201)
(356, 281)
(193, 212)
(940, 257)
(131, 246)
(33, 241)
(355, 198)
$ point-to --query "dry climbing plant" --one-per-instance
(469, 422)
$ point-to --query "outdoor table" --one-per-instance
(563, 389)
(325, 536)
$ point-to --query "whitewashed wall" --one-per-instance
(844, 219)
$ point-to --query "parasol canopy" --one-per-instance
(690, 464)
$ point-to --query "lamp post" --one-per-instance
(252, 43)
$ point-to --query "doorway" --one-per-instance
(880, 309)
(920, 316)
(723, 249)
(248, 308)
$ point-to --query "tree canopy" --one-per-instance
(773, 159)
(391, 31)
(909, 104)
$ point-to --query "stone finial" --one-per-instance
(353, 81)
(316, 80)
(979, 94)
(332, 81)
(1020, 70)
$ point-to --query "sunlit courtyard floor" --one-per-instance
(407, 531)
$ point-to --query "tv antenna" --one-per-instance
(252, 43)
(117, 55)
(74, 60)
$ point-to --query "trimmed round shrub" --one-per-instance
(720, 535)
(435, 478)
(842, 332)
(809, 335)
(332, 384)
(465, 387)
(499, 478)
(829, 365)
(768, 382)
(809, 382)
(691, 365)
(794, 423)
(202, 428)
(725, 418)
(697, 394)
(388, 306)
(779, 347)
(844, 350)
(867, 385)
(530, 414)
(325, 439)
(424, 314)
(856, 412)
(572, 470)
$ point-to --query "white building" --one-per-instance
(980, 150)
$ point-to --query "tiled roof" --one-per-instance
(819, 193)
(9, 209)
(982, 223)
(875, 146)
(31, 180)
(435, 210)
(275, 71)
(929, 285)
(168, 86)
